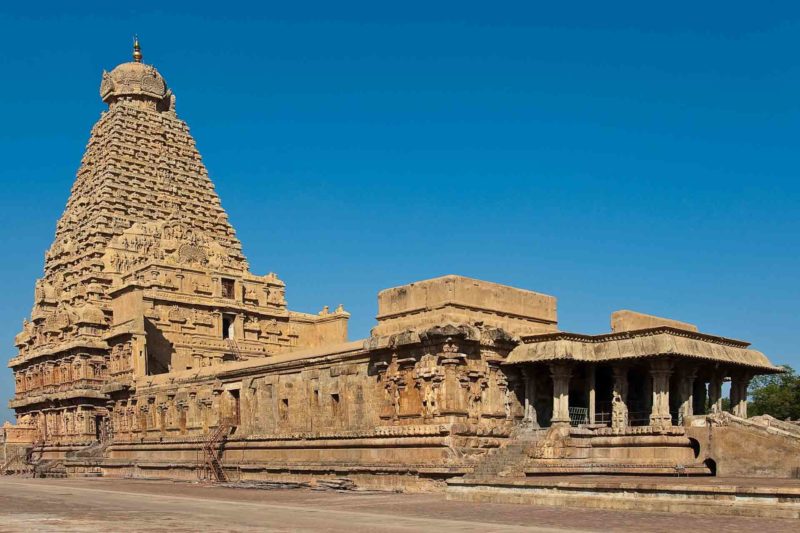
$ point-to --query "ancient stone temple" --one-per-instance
(153, 350)
(145, 275)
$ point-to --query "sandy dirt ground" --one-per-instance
(102, 505)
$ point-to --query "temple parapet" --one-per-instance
(625, 320)
(461, 300)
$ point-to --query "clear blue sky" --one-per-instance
(613, 155)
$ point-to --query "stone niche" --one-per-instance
(461, 300)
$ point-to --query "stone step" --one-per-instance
(502, 459)
(767, 498)
(87, 474)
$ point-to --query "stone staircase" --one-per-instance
(508, 460)
(15, 463)
(49, 469)
(93, 451)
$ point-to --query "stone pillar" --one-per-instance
(686, 389)
(591, 393)
(619, 399)
(715, 391)
(530, 395)
(561, 374)
(660, 370)
(739, 383)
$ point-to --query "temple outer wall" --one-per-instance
(415, 411)
(739, 449)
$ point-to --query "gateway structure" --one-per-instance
(153, 350)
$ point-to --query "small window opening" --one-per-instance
(335, 404)
(228, 288)
(711, 464)
(284, 408)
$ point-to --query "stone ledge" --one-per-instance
(787, 488)
(757, 500)
(413, 468)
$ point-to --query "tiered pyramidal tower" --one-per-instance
(143, 217)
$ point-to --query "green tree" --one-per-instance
(775, 394)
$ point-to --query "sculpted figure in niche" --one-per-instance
(275, 296)
(393, 382)
(475, 397)
(428, 400)
(250, 294)
(619, 413)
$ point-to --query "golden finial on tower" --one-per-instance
(137, 51)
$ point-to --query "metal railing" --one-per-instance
(211, 459)
(237, 354)
(578, 416)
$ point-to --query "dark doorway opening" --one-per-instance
(237, 412)
(335, 405)
(227, 326)
(695, 444)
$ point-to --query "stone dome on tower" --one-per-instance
(135, 81)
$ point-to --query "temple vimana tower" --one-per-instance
(152, 350)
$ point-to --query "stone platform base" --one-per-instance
(402, 478)
(777, 498)
(539, 468)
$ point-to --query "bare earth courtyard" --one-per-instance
(139, 505)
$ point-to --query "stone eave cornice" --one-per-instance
(454, 305)
(210, 344)
(129, 327)
(212, 303)
(427, 333)
(69, 346)
(57, 396)
(621, 335)
(639, 344)
(230, 272)
(298, 359)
